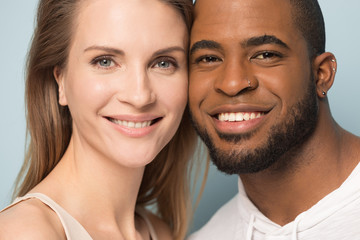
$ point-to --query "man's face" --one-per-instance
(252, 95)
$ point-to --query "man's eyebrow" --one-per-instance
(261, 40)
(205, 44)
(106, 49)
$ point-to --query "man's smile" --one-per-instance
(238, 116)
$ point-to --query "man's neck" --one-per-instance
(303, 177)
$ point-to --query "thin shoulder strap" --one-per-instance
(142, 213)
(73, 229)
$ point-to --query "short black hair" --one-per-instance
(308, 18)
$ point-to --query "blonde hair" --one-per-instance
(49, 125)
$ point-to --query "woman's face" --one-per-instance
(126, 79)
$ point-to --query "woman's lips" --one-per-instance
(133, 124)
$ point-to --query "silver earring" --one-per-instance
(323, 93)
(249, 83)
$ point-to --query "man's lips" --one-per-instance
(239, 112)
(238, 116)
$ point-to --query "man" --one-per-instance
(259, 76)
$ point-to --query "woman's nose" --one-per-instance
(138, 90)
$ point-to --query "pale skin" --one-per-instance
(326, 159)
(122, 76)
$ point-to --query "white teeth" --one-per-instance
(232, 117)
(130, 124)
(246, 116)
(224, 117)
(238, 116)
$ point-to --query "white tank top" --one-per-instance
(73, 229)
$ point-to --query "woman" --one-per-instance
(106, 90)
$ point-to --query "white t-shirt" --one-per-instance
(335, 217)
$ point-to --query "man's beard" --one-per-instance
(283, 138)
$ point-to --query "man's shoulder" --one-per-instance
(215, 228)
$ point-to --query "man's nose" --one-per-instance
(234, 78)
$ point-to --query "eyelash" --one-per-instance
(272, 54)
(169, 60)
(212, 59)
(96, 62)
(204, 59)
(173, 65)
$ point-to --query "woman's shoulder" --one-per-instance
(30, 219)
(162, 229)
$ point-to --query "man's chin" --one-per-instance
(239, 162)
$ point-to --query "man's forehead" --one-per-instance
(242, 17)
(216, 10)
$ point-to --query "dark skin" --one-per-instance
(237, 42)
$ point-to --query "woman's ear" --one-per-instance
(324, 69)
(59, 77)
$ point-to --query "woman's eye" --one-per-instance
(103, 62)
(163, 64)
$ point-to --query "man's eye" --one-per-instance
(266, 55)
(208, 59)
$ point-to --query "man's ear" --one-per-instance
(324, 69)
(59, 77)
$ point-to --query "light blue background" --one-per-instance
(16, 26)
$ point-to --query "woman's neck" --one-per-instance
(100, 193)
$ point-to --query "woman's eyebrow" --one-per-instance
(106, 49)
(168, 50)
